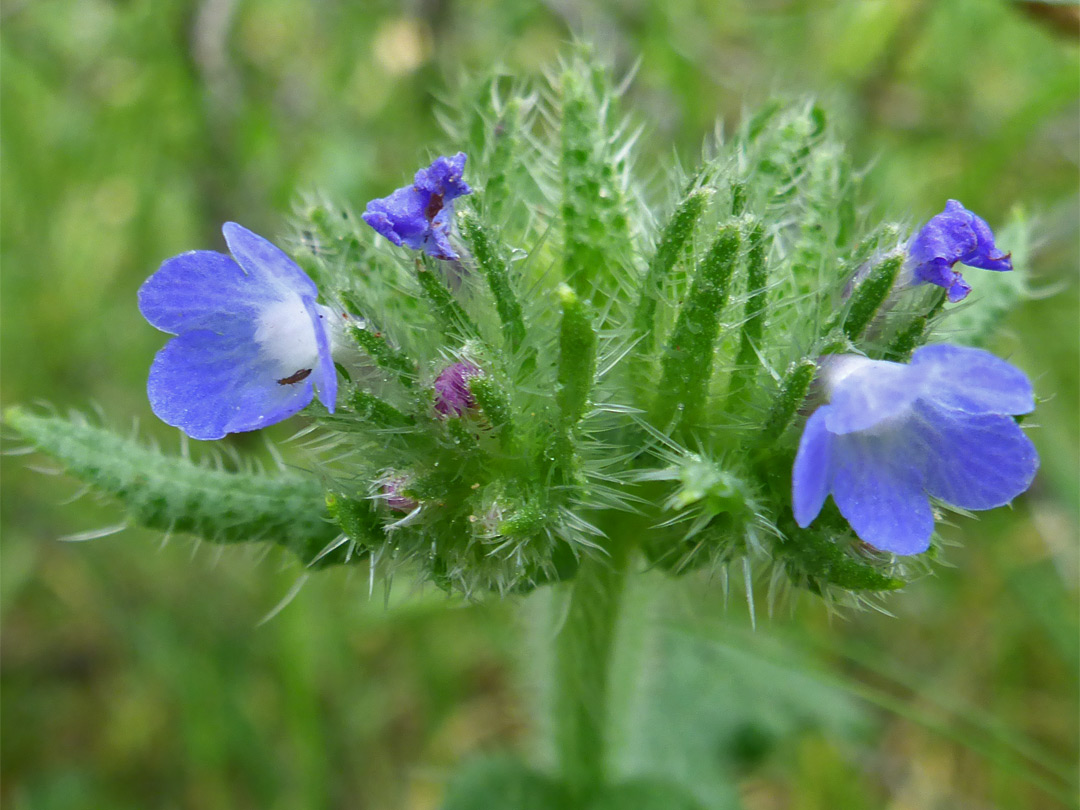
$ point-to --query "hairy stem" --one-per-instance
(583, 656)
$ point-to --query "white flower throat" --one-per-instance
(286, 334)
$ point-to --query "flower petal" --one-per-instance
(209, 384)
(878, 489)
(937, 271)
(973, 461)
(946, 237)
(973, 380)
(867, 392)
(437, 242)
(201, 289)
(958, 290)
(266, 262)
(444, 176)
(811, 476)
(324, 376)
(400, 217)
(985, 254)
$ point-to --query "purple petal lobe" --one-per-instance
(812, 474)
(958, 290)
(444, 177)
(985, 254)
(973, 380)
(437, 240)
(209, 384)
(867, 392)
(946, 237)
(878, 489)
(938, 272)
(399, 217)
(265, 261)
(192, 290)
(973, 461)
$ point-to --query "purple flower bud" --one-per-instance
(419, 216)
(955, 236)
(894, 435)
(393, 493)
(452, 394)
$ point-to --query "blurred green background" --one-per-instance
(137, 675)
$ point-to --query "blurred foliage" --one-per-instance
(135, 676)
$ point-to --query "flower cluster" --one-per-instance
(563, 382)
(486, 455)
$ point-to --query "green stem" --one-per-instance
(582, 665)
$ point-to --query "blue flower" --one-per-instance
(955, 236)
(895, 435)
(251, 344)
(419, 216)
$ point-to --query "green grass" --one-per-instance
(136, 676)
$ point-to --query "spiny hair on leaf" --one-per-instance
(175, 494)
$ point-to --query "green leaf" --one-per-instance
(753, 325)
(504, 783)
(672, 240)
(494, 270)
(496, 189)
(494, 405)
(358, 518)
(907, 339)
(738, 199)
(173, 494)
(815, 559)
(577, 356)
(706, 710)
(385, 356)
(688, 361)
(871, 293)
(454, 319)
(596, 228)
(376, 413)
(788, 400)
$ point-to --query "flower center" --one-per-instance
(286, 336)
(836, 368)
(434, 206)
